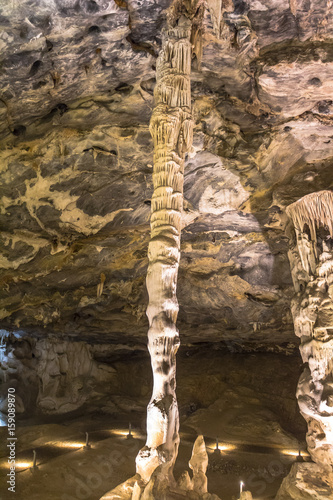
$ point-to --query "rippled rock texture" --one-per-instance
(77, 78)
(311, 264)
(305, 482)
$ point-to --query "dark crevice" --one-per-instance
(292, 51)
(98, 149)
(94, 29)
(124, 88)
(35, 67)
(19, 130)
(141, 47)
(49, 45)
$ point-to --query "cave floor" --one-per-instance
(68, 471)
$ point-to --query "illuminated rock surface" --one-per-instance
(76, 186)
(305, 482)
(76, 165)
(245, 495)
(311, 261)
(171, 127)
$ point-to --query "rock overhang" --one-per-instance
(77, 179)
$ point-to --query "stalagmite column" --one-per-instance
(171, 128)
(311, 260)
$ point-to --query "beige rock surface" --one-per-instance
(76, 165)
(306, 481)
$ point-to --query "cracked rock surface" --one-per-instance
(76, 95)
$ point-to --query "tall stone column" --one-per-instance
(311, 261)
(171, 128)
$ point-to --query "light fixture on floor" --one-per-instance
(66, 444)
(299, 457)
(296, 453)
(217, 449)
(87, 445)
(129, 435)
(34, 460)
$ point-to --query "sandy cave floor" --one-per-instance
(68, 471)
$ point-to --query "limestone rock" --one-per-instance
(311, 258)
(306, 481)
(54, 376)
(160, 487)
(185, 482)
(124, 491)
(76, 156)
(67, 373)
(198, 463)
(171, 127)
(245, 495)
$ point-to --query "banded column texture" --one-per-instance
(311, 260)
(171, 127)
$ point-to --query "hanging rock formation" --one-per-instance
(171, 127)
(311, 260)
(76, 154)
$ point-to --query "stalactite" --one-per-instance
(311, 259)
(314, 210)
(171, 127)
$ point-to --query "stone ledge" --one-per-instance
(306, 481)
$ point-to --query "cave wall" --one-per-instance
(76, 165)
(54, 377)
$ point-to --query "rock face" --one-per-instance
(53, 376)
(76, 184)
(77, 80)
(305, 482)
(68, 375)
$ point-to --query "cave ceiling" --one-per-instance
(76, 96)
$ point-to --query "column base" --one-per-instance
(161, 487)
(129, 490)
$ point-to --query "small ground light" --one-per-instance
(87, 445)
(241, 484)
(129, 435)
(34, 460)
(217, 449)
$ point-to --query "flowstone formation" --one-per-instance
(76, 155)
(311, 260)
(171, 127)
